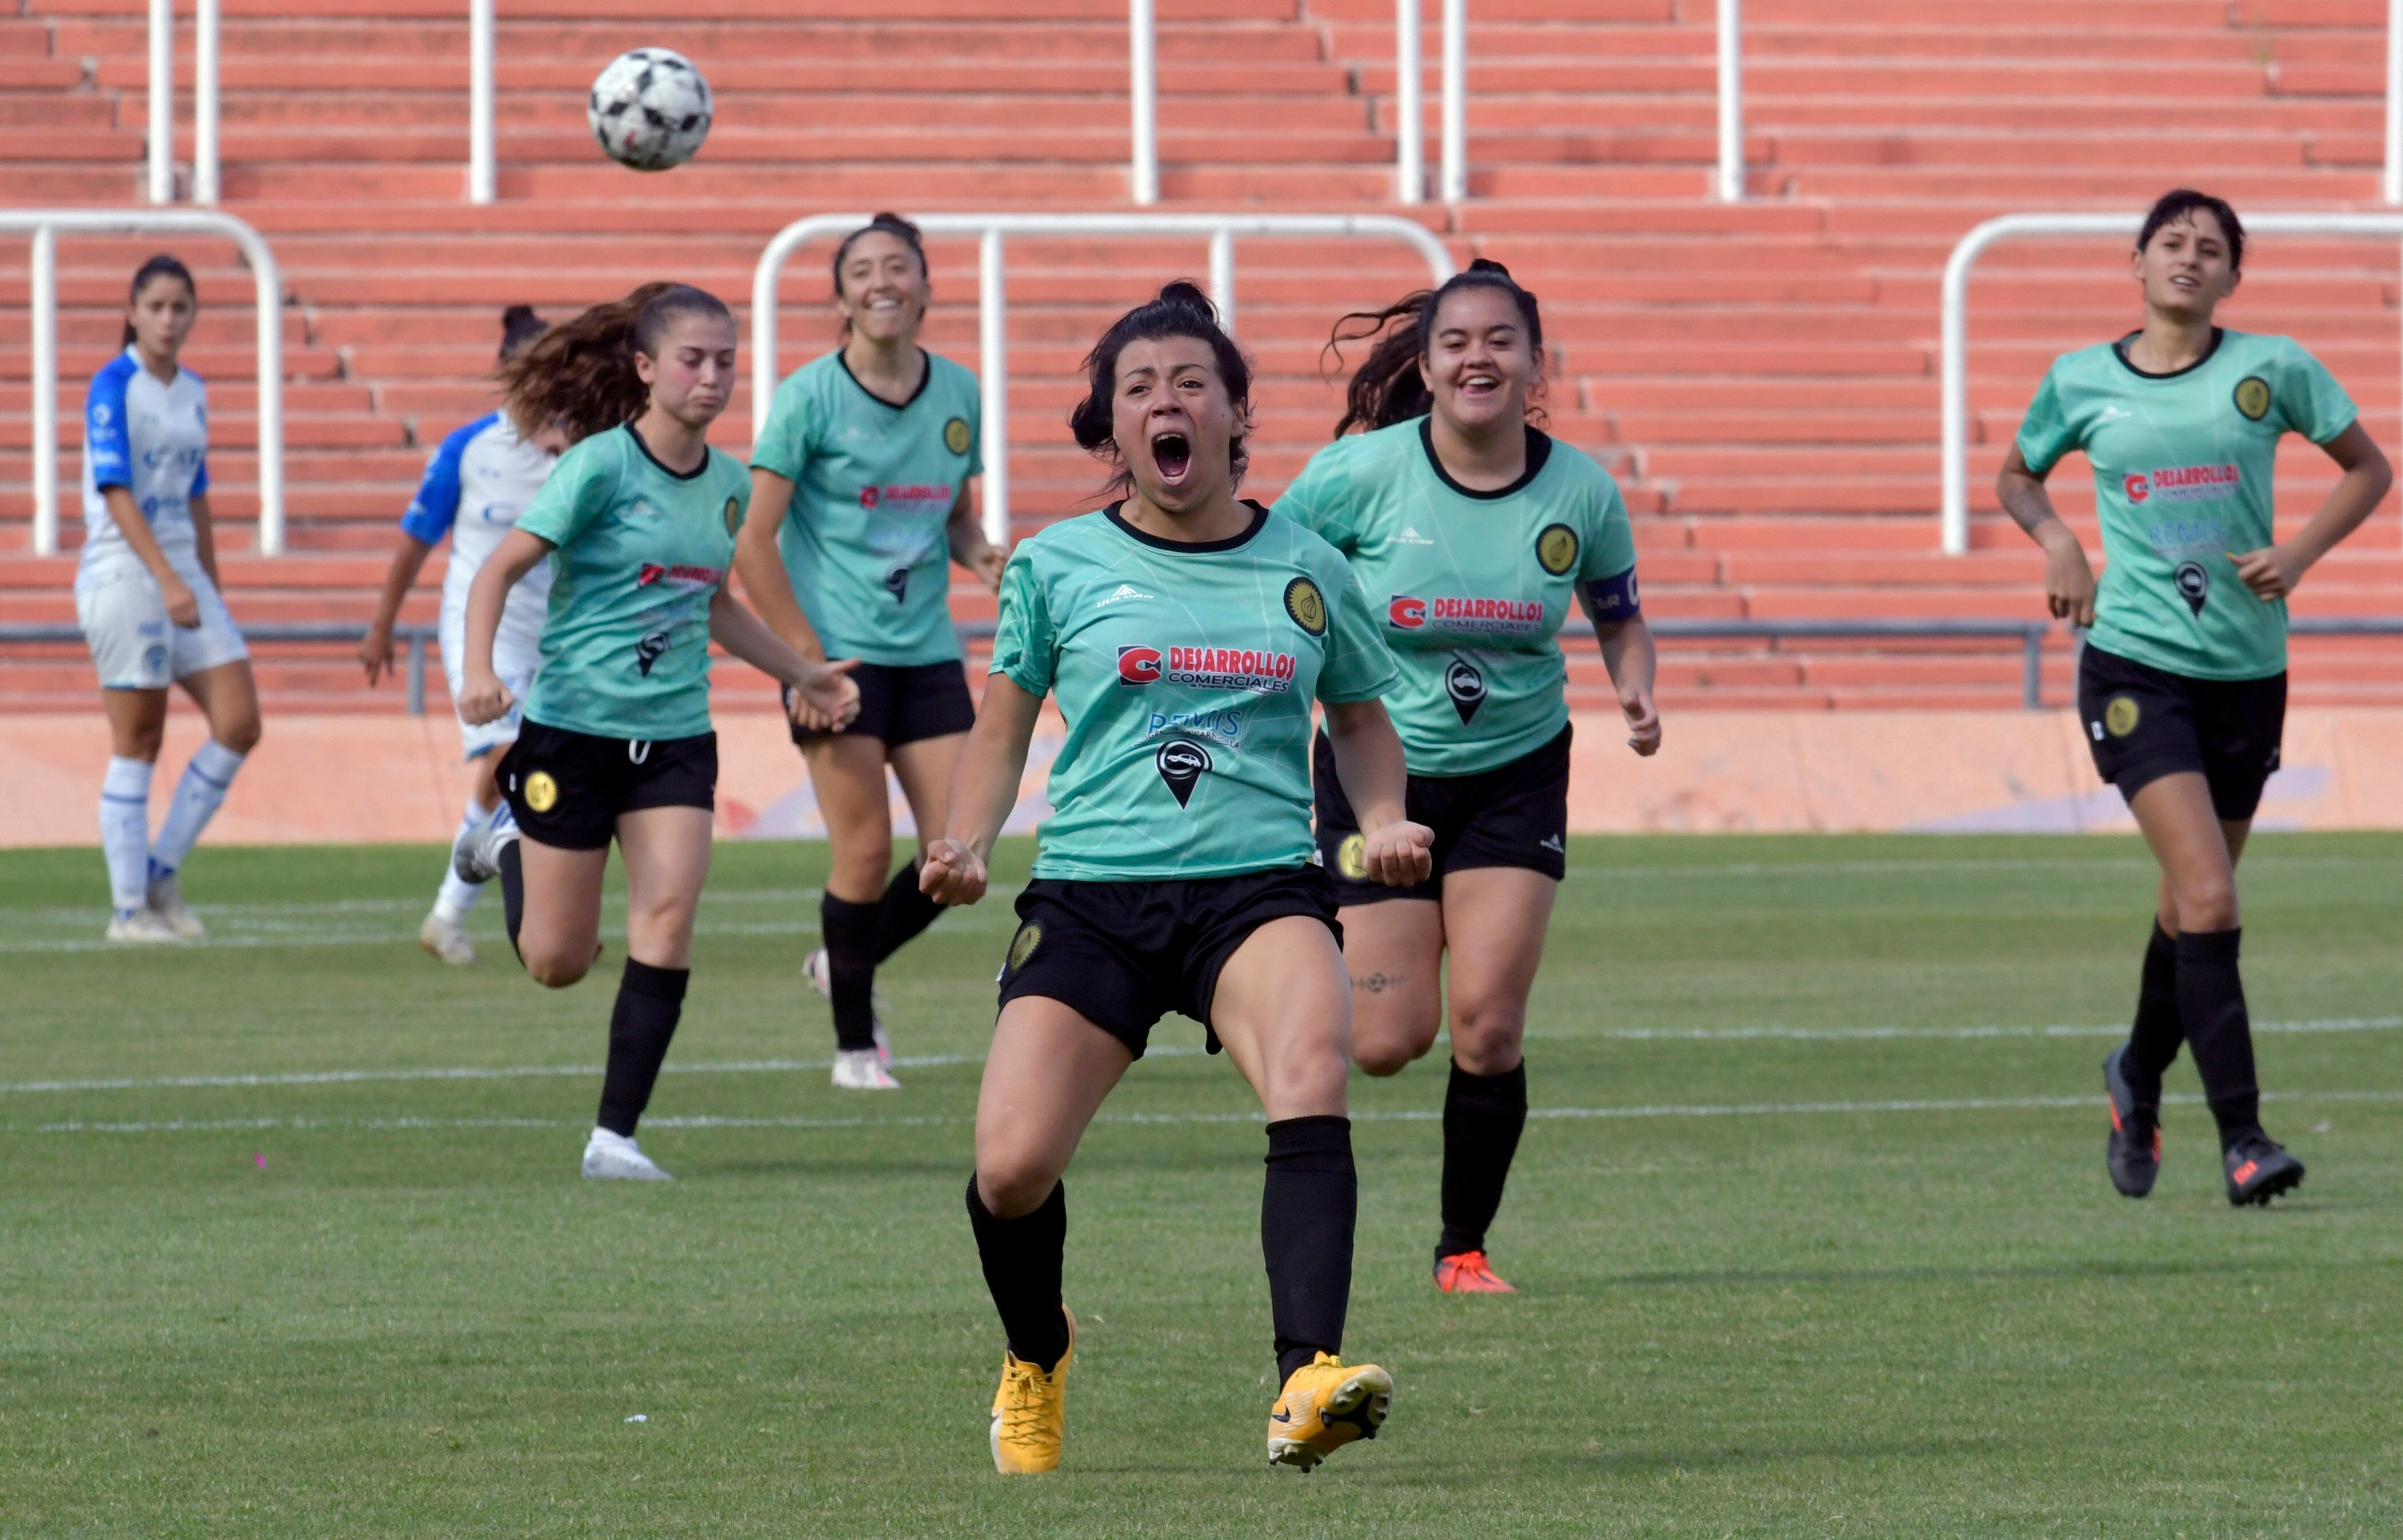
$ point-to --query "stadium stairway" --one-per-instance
(1761, 377)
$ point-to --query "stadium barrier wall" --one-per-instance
(352, 779)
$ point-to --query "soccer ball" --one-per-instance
(650, 109)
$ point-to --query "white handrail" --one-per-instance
(1955, 319)
(2391, 183)
(1728, 182)
(1410, 133)
(162, 146)
(1220, 230)
(482, 176)
(44, 225)
(162, 101)
(1456, 101)
(1142, 176)
(204, 103)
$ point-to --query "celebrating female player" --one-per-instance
(1470, 529)
(146, 598)
(860, 483)
(485, 472)
(638, 521)
(2183, 680)
(1186, 635)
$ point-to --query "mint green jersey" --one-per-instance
(2182, 472)
(640, 552)
(874, 489)
(1471, 588)
(1185, 673)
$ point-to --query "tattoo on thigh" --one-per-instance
(1378, 983)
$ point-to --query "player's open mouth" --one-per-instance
(1172, 452)
(1479, 385)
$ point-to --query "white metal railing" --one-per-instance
(162, 102)
(44, 225)
(1955, 319)
(1410, 128)
(1456, 101)
(1728, 184)
(482, 173)
(1143, 93)
(2391, 184)
(992, 364)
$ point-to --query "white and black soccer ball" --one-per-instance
(650, 109)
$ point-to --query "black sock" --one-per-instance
(849, 931)
(1022, 1261)
(649, 1001)
(902, 912)
(2211, 1002)
(1309, 1206)
(2154, 1041)
(513, 892)
(1482, 1117)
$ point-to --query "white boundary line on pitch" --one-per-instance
(1160, 1050)
(1731, 1109)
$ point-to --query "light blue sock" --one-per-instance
(199, 794)
(125, 832)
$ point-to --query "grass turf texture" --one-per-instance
(414, 1318)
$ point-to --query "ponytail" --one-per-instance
(160, 266)
(580, 374)
(1389, 387)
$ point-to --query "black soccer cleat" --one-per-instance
(2259, 1169)
(2133, 1154)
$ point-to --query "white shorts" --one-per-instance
(515, 658)
(133, 645)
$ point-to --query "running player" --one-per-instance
(1185, 634)
(1470, 529)
(2182, 684)
(860, 487)
(487, 472)
(638, 522)
(146, 599)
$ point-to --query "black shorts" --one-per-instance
(1516, 815)
(2143, 723)
(568, 788)
(902, 704)
(1124, 954)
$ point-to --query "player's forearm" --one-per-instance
(1368, 762)
(770, 589)
(204, 535)
(489, 595)
(398, 579)
(2354, 499)
(135, 531)
(2030, 507)
(992, 765)
(1628, 653)
(966, 536)
(746, 636)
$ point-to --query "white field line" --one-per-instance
(1157, 1050)
(1731, 1109)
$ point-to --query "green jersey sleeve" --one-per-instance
(2311, 400)
(1320, 498)
(1359, 666)
(2045, 433)
(579, 489)
(1610, 545)
(1024, 640)
(784, 444)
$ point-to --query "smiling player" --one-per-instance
(2181, 685)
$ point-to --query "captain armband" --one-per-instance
(1613, 600)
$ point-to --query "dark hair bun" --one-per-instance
(1487, 264)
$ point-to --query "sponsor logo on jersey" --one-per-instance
(1208, 668)
(909, 497)
(870, 497)
(678, 577)
(1219, 724)
(1307, 605)
(1412, 538)
(2121, 715)
(1139, 665)
(1351, 857)
(650, 650)
(1502, 616)
(1181, 763)
(1465, 685)
(1406, 613)
(1556, 549)
(2193, 581)
(2253, 396)
(2183, 483)
(541, 792)
(1124, 593)
(897, 583)
(955, 436)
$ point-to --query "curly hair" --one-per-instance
(1181, 310)
(1388, 387)
(580, 374)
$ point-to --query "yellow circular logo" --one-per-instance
(541, 792)
(1029, 936)
(1351, 857)
(1307, 605)
(733, 515)
(955, 436)
(2121, 715)
(2253, 396)
(1556, 549)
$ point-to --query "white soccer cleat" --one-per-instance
(860, 1069)
(167, 903)
(143, 927)
(445, 940)
(475, 855)
(613, 1157)
(813, 968)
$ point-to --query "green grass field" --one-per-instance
(1810, 1225)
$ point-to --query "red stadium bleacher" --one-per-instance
(1760, 377)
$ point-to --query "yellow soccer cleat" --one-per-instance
(1325, 1405)
(1029, 1412)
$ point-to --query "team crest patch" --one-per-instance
(1022, 945)
(955, 436)
(541, 792)
(733, 515)
(1351, 857)
(1307, 605)
(2121, 715)
(1556, 549)
(2253, 396)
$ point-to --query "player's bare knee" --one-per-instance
(1390, 1052)
(2208, 904)
(1486, 1037)
(556, 970)
(1013, 1184)
(239, 735)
